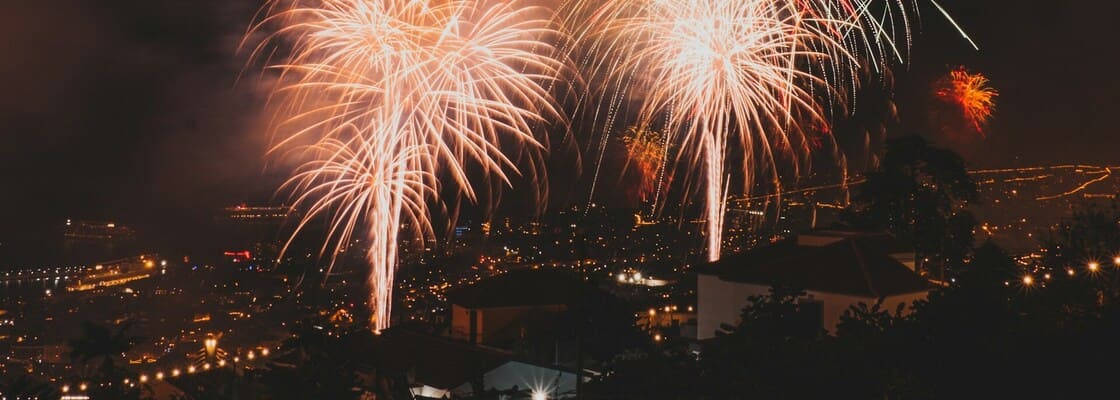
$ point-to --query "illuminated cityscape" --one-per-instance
(541, 200)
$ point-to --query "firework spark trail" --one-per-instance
(391, 94)
(727, 74)
(971, 92)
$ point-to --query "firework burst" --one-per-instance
(716, 75)
(646, 152)
(971, 93)
(386, 97)
(725, 76)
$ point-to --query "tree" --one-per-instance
(919, 193)
(317, 364)
(101, 351)
(18, 384)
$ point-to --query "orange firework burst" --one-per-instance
(645, 151)
(969, 91)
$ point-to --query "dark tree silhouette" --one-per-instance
(918, 193)
(17, 384)
(317, 364)
(101, 351)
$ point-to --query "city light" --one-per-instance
(539, 395)
(1028, 280)
(211, 345)
(1094, 266)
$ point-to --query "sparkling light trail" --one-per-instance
(386, 98)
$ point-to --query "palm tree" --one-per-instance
(102, 350)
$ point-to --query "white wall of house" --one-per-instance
(892, 302)
(722, 302)
(835, 305)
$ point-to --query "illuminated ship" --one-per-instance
(97, 230)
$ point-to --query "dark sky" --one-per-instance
(132, 110)
(124, 110)
(1052, 63)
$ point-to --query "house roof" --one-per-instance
(520, 288)
(853, 264)
(440, 362)
(435, 361)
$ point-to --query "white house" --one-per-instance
(836, 269)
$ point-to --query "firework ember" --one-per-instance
(646, 153)
(971, 93)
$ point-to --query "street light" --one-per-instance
(211, 345)
(539, 395)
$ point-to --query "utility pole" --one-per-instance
(581, 314)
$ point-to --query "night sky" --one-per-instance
(133, 110)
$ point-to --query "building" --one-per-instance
(503, 309)
(438, 368)
(836, 269)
